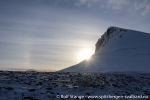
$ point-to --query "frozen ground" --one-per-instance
(53, 86)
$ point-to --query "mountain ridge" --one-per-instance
(118, 49)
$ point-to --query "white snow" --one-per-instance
(118, 50)
(57, 86)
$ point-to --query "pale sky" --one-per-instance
(49, 34)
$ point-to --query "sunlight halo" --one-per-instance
(85, 54)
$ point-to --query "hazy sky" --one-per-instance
(48, 34)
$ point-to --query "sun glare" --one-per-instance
(85, 53)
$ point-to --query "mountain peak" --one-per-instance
(111, 31)
(118, 49)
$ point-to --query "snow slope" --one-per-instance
(118, 50)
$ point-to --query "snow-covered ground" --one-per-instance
(53, 86)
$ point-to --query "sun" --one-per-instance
(85, 54)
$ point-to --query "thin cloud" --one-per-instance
(130, 6)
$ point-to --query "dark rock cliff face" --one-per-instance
(105, 37)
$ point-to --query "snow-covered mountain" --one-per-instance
(118, 50)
